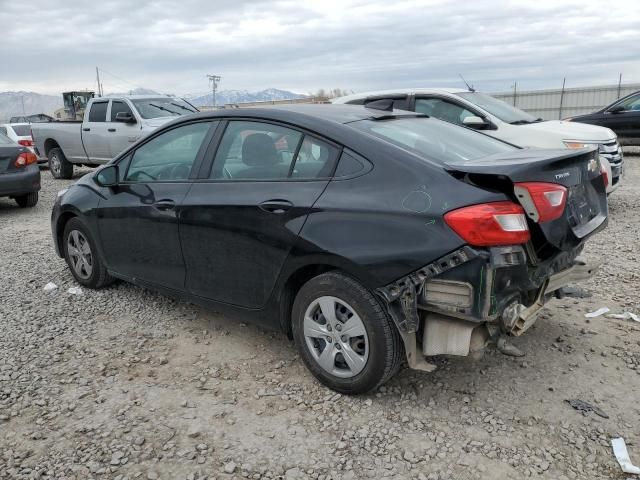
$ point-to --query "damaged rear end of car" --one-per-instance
(518, 252)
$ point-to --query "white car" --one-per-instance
(19, 133)
(501, 120)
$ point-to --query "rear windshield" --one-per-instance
(163, 107)
(434, 139)
(22, 130)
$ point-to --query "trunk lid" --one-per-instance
(585, 211)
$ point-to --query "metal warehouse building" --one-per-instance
(562, 103)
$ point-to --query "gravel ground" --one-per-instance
(124, 383)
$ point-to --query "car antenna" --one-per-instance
(471, 89)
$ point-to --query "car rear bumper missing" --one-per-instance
(448, 306)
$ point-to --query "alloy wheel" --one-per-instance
(55, 164)
(336, 336)
(80, 254)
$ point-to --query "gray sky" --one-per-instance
(299, 45)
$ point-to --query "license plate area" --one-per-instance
(581, 206)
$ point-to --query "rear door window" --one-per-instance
(315, 159)
(255, 151)
(264, 151)
(98, 112)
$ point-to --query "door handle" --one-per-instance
(166, 204)
(112, 129)
(276, 206)
(85, 129)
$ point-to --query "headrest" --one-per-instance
(258, 149)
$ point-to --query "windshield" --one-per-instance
(434, 139)
(162, 107)
(498, 108)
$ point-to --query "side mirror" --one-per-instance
(474, 122)
(125, 117)
(107, 176)
(616, 109)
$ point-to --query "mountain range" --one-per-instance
(224, 97)
(15, 103)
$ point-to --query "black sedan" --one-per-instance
(19, 173)
(368, 236)
(622, 116)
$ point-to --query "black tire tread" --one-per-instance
(66, 167)
(100, 277)
(394, 349)
(27, 200)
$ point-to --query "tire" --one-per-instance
(89, 271)
(27, 201)
(379, 351)
(59, 166)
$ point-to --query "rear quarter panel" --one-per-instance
(388, 222)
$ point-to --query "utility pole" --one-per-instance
(515, 92)
(619, 84)
(98, 79)
(214, 79)
(22, 98)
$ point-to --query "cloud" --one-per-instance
(170, 46)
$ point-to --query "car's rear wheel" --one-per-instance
(82, 256)
(343, 334)
(28, 200)
(59, 166)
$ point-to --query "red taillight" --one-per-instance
(25, 143)
(542, 201)
(490, 224)
(605, 175)
(25, 159)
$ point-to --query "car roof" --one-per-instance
(16, 124)
(397, 91)
(136, 97)
(298, 112)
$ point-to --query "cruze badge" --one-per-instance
(564, 175)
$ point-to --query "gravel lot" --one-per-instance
(125, 383)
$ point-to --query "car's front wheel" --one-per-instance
(343, 334)
(82, 256)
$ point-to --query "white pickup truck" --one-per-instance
(501, 120)
(109, 126)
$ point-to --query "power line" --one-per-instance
(126, 82)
